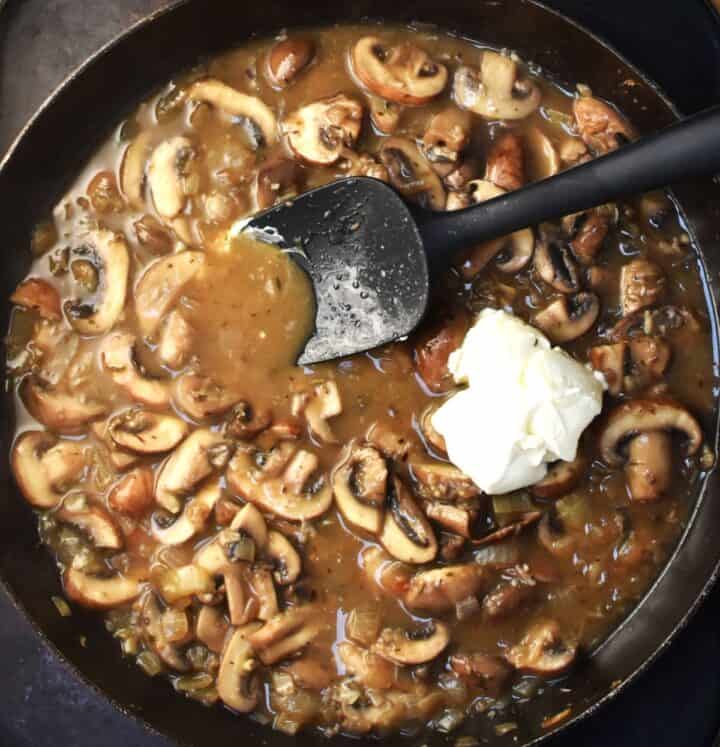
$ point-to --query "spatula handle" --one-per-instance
(683, 151)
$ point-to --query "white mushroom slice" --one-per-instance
(411, 173)
(263, 588)
(250, 521)
(176, 340)
(273, 495)
(192, 520)
(45, 467)
(360, 488)
(237, 104)
(170, 164)
(385, 115)
(161, 286)
(318, 133)
(543, 650)
(133, 493)
(132, 169)
(95, 521)
(107, 253)
(59, 411)
(440, 589)
(396, 645)
(119, 459)
(446, 135)
(541, 157)
(237, 685)
(324, 403)
(285, 557)
(406, 533)
(440, 481)
(642, 284)
(495, 92)
(211, 628)
(404, 74)
(145, 432)
(117, 354)
(198, 456)
(569, 317)
(286, 633)
(201, 397)
(226, 548)
(99, 592)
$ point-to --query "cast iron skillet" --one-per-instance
(89, 105)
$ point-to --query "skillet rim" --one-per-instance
(96, 58)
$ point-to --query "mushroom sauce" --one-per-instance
(293, 543)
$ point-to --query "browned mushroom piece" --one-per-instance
(441, 481)
(601, 127)
(496, 91)
(310, 671)
(38, 295)
(363, 164)
(648, 422)
(543, 650)
(586, 232)
(384, 115)
(100, 592)
(513, 592)
(211, 628)
(642, 284)
(176, 340)
(286, 633)
(201, 397)
(371, 669)
(237, 683)
(611, 361)
(488, 672)
(441, 589)
(277, 180)
(511, 254)
(411, 174)
(404, 73)
(561, 478)
(412, 647)
(245, 421)
(132, 494)
(510, 530)
(456, 519)
(650, 357)
(92, 519)
(146, 432)
(318, 133)
(59, 411)
(445, 137)
(505, 165)
(555, 265)
(434, 347)
(287, 58)
(360, 487)
(569, 317)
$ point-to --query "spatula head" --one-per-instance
(358, 242)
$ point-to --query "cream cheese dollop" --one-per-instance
(526, 404)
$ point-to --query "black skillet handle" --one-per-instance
(683, 151)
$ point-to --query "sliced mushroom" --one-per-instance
(238, 105)
(601, 127)
(642, 284)
(406, 533)
(541, 157)
(151, 617)
(456, 519)
(132, 168)
(440, 589)
(649, 466)
(318, 133)
(372, 670)
(273, 494)
(198, 456)
(543, 650)
(569, 317)
(310, 672)
(610, 360)
(650, 357)
(201, 397)
(245, 422)
(286, 633)
(434, 348)
(360, 487)
(211, 628)
(237, 685)
(59, 411)
(192, 519)
(411, 174)
(117, 354)
(285, 558)
(363, 164)
(146, 432)
(404, 73)
(511, 254)
(287, 58)
(107, 255)
(555, 265)
(263, 587)
(505, 165)
(171, 164)
(481, 670)
(561, 478)
(176, 340)
(416, 647)
(495, 91)
(38, 295)
(276, 180)
(93, 520)
(510, 530)
(181, 583)
(324, 403)
(45, 468)
(385, 115)
(445, 482)
(99, 592)
(586, 232)
(446, 136)
(387, 442)
(133, 493)
(509, 596)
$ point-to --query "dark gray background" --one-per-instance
(676, 703)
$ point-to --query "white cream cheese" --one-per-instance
(526, 404)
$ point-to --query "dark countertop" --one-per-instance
(676, 703)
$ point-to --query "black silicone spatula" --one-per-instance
(370, 255)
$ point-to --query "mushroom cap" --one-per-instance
(168, 166)
(542, 650)
(59, 411)
(406, 534)
(644, 416)
(601, 127)
(201, 397)
(93, 520)
(99, 592)
(192, 519)
(556, 266)
(569, 317)
(236, 685)
(287, 59)
(352, 495)
(401, 647)
(411, 174)
(405, 74)
(440, 589)
(147, 432)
